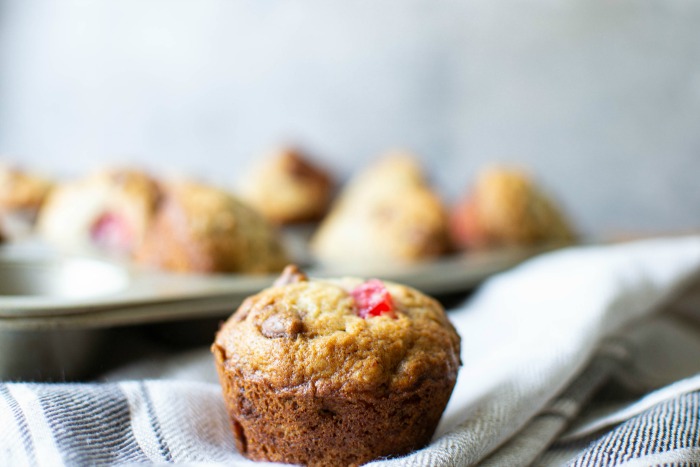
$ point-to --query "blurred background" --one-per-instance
(601, 99)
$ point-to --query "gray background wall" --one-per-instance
(601, 98)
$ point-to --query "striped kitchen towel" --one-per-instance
(132, 422)
(159, 422)
(662, 428)
(544, 347)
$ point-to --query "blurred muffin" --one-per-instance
(335, 372)
(203, 229)
(506, 207)
(287, 188)
(394, 171)
(109, 210)
(22, 192)
(387, 213)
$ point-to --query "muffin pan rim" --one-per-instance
(145, 296)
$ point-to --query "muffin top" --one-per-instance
(512, 207)
(212, 231)
(20, 189)
(396, 171)
(387, 214)
(398, 228)
(286, 187)
(109, 209)
(112, 185)
(507, 207)
(345, 335)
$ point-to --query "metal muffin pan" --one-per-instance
(56, 310)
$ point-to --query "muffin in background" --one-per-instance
(109, 210)
(22, 194)
(202, 229)
(507, 208)
(335, 372)
(288, 188)
(396, 170)
(386, 214)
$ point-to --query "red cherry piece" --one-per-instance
(372, 299)
(111, 232)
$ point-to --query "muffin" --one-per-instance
(109, 210)
(507, 208)
(22, 191)
(287, 188)
(387, 214)
(335, 372)
(394, 171)
(202, 229)
(22, 194)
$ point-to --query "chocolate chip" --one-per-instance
(283, 324)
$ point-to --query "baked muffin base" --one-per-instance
(296, 425)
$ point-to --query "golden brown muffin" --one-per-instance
(203, 229)
(109, 210)
(335, 372)
(394, 171)
(506, 207)
(287, 188)
(22, 192)
(386, 214)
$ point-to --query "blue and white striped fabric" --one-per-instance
(663, 428)
(545, 347)
(667, 433)
(135, 422)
